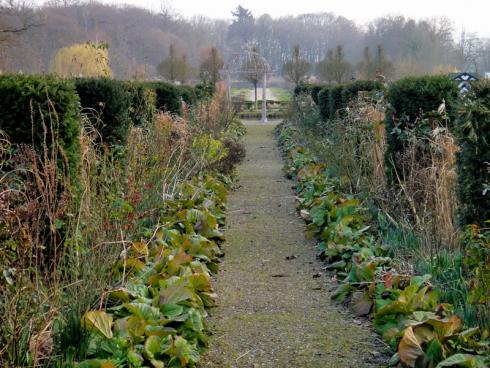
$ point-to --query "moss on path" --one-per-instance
(273, 309)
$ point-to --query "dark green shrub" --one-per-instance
(167, 97)
(107, 102)
(351, 90)
(205, 90)
(409, 101)
(473, 133)
(315, 90)
(334, 98)
(27, 101)
(310, 89)
(142, 103)
(302, 89)
(324, 102)
(188, 95)
(335, 101)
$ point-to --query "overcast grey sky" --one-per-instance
(473, 15)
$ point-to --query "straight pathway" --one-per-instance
(274, 308)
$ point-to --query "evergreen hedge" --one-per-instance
(167, 97)
(351, 90)
(26, 101)
(205, 90)
(409, 100)
(310, 89)
(188, 95)
(473, 134)
(324, 102)
(302, 89)
(142, 103)
(108, 102)
(335, 100)
(337, 97)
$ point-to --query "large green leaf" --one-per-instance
(185, 352)
(98, 321)
(465, 360)
(144, 311)
(175, 294)
(171, 311)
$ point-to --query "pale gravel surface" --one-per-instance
(273, 312)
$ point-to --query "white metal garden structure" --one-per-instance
(246, 63)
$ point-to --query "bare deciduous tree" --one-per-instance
(296, 69)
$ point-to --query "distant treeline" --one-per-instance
(139, 39)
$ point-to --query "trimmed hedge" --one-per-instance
(188, 95)
(324, 102)
(337, 97)
(205, 90)
(110, 101)
(351, 90)
(410, 99)
(473, 134)
(167, 97)
(310, 89)
(142, 103)
(335, 101)
(27, 100)
(302, 89)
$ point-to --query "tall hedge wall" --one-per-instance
(167, 96)
(108, 102)
(324, 102)
(310, 89)
(188, 94)
(142, 103)
(205, 90)
(27, 100)
(336, 97)
(409, 99)
(473, 134)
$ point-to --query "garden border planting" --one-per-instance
(406, 310)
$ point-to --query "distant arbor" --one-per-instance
(296, 69)
(82, 60)
(253, 67)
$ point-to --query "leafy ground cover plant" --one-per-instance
(156, 318)
(64, 246)
(406, 309)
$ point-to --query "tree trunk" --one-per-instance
(255, 89)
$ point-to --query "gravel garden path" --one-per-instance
(274, 306)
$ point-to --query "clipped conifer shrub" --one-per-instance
(410, 101)
(107, 102)
(351, 90)
(473, 134)
(167, 97)
(315, 91)
(188, 95)
(335, 101)
(142, 103)
(28, 101)
(204, 90)
(301, 89)
(324, 102)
